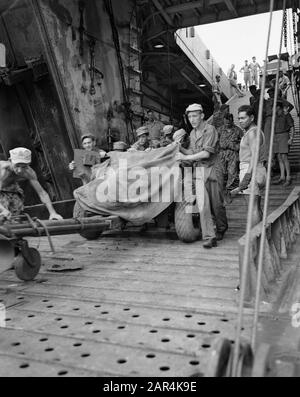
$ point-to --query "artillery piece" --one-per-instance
(16, 253)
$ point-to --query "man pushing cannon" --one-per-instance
(13, 171)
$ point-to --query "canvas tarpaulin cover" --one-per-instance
(136, 186)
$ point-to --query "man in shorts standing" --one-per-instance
(284, 134)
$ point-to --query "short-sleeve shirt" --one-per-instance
(207, 140)
(283, 123)
(155, 128)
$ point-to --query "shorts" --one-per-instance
(260, 180)
(281, 143)
(13, 202)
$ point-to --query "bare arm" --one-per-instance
(197, 156)
(292, 133)
(44, 197)
(252, 144)
(185, 151)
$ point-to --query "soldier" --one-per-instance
(209, 183)
(167, 135)
(232, 77)
(179, 136)
(246, 156)
(230, 137)
(247, 71)
(142, 143)
(283, 138)
(88, 142)
(217, 90)
(154, 126)
(255, 68)
(13, 171)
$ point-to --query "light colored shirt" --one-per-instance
(206, 139)
(154, 128)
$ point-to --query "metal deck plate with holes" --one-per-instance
(142, 305)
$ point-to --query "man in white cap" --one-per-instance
(13, 171)
(203, 152)
(167, 135)
(179, 135)
(142, 143)
(88, 142)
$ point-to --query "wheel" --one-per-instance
(78, 212)
(27, 268)
(187, 225)
(219, 358)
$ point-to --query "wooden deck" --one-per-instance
(144, 304)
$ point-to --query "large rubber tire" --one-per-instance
(186, 229)
(28, 269)
(78, 212)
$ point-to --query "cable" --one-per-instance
(266, 201)
(245, 265)
(115, 34)
(48, 234)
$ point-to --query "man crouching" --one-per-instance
(13, 171)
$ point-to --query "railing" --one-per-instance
(282, 226)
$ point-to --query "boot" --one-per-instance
(212, 242)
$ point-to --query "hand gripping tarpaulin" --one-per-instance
(136, 186)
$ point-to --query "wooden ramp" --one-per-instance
(144, 304)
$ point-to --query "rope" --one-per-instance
(170, 78)
(32, 224)
(266, 202)
(250, 211)
(38, 221)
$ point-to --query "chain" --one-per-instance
(285, 28)
(92, 44)
(294, 30)
(81, 29)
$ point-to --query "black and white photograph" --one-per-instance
(149, 191)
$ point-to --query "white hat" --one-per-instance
(89, 135)
(194, 107)
(179, 134)
(20, 155)
(168, 129)
(120, 145)
(142, 130)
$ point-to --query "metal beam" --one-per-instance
(228, 3)
(184, 7)
(163, 12)
(231, 7)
